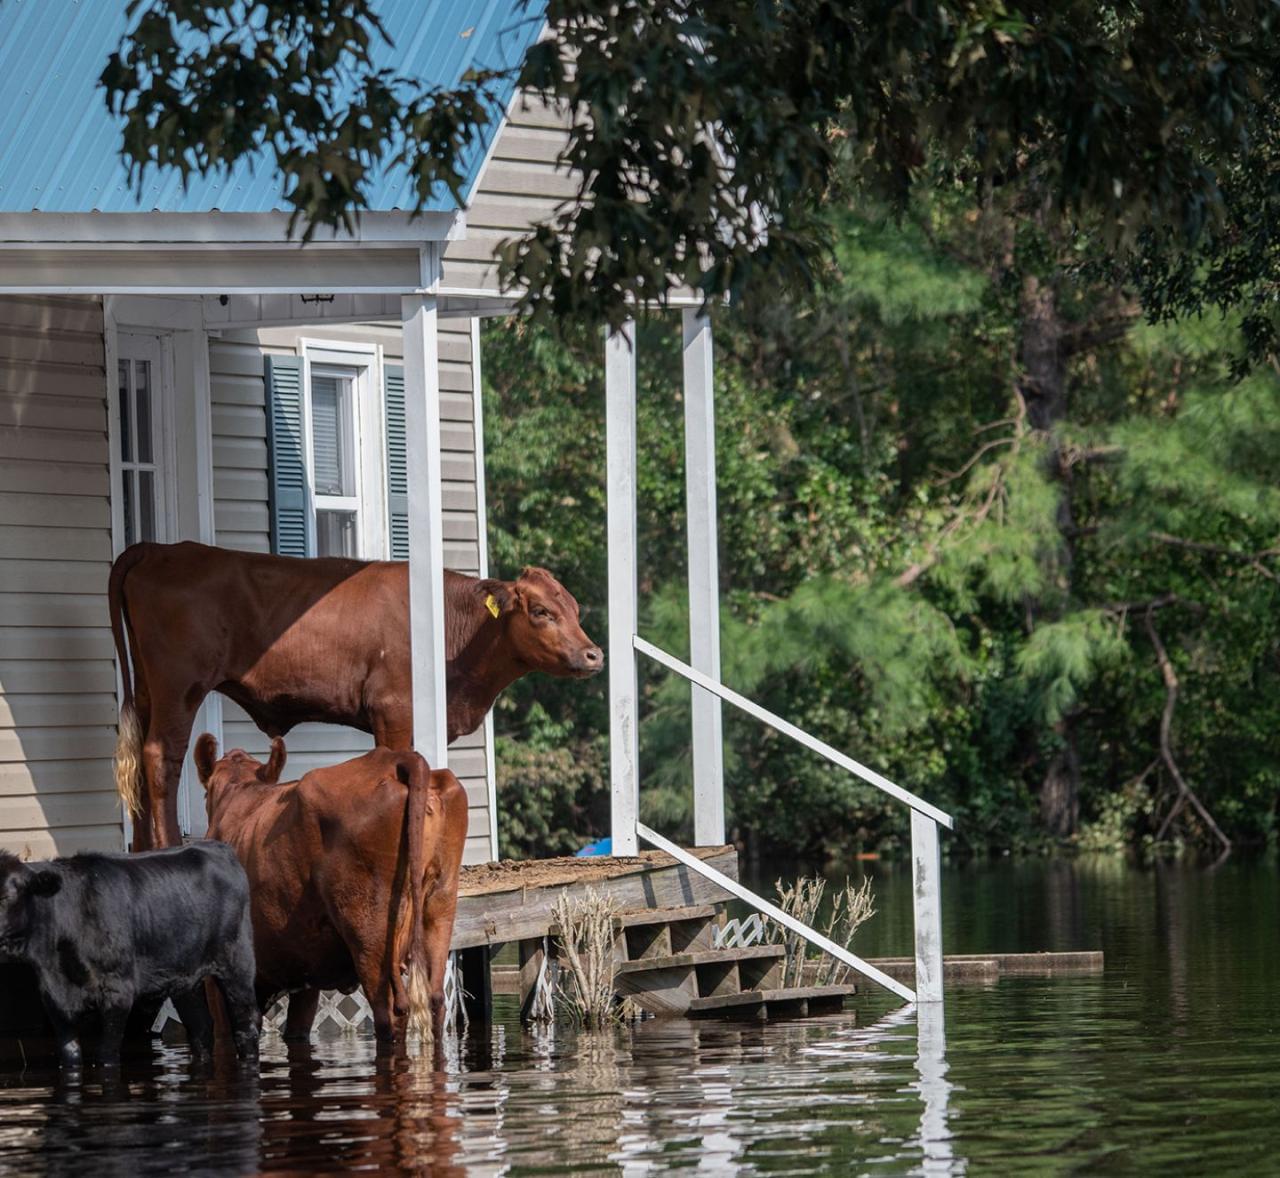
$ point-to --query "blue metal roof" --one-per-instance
(60, 148)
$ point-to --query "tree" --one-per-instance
(895, 568)
(709, 136)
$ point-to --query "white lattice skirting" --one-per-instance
(739, 934)
(340, 1013)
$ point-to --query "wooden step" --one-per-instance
(793, 1002)
(663, 915)
(703, 957)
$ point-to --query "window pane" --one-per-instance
(142, 375)
(331, 434)
(130, 532)
(126, 442)
(335, 533)
(147, 505)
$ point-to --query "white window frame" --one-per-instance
(363, 363)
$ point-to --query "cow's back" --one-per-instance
(257, 626)
(153, 916)
(323, 856)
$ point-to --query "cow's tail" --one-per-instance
(418, 982)
(128, 761)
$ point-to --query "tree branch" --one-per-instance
(1252, 559)
(1186, 795)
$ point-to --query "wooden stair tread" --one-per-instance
(643, 916)
(768, 997)
(639, 917)
(701, 957)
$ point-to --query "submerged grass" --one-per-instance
(851, 906)
(585, 951)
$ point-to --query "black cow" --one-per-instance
(103, 931)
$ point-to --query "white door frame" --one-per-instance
(182, 405)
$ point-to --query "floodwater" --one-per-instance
(1170, 1059)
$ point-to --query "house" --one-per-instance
(160, 345)
(146, 341)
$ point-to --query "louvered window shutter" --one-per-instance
(290, 535)
(397, 463)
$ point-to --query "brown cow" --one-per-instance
(353, 872)
(295, 640)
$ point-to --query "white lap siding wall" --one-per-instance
(242, 513)
(57, 674)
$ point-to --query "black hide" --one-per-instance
(102, 931)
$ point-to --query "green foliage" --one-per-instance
(1061, 659)
(913, 573)
(552, 790)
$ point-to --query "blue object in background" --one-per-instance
(603, 847)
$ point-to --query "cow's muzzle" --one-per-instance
(588, 662)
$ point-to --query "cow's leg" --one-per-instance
(371, 968)
(392, 730)
(163, 751)
(114, 1020)
(242, 1007)
(303, 1005)
(193, 1010)
(66, 1033)
(436, 938)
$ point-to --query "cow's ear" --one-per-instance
(499, 597)
(205, 756)
(45, 883)
(270, 772)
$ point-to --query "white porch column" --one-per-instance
(426, 530)
(620, 485)
(704, 578)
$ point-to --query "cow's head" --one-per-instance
(542, 625)
(236, 769)
(22, 885)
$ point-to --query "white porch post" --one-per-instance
(620, 485)
(926, 883)
(426, 530)
(704, 578)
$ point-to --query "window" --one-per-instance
(140, 440)
(335, 460)
(326, 448)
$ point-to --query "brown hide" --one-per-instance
(341, 893)
(304, 640)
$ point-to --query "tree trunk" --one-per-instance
(1043, 356)
(1060, 791)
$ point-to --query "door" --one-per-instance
(147, 486)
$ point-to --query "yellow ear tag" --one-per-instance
(492, 603)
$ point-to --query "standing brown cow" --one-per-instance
(353, 872)
(296, 640)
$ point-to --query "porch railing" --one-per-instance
(925, 820)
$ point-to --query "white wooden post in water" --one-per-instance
(426, 515)
(927, 898)
(704, 578)
(620, 445)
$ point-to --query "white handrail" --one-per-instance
(835, 756)
(839, 952)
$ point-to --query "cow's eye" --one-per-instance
(539, 613)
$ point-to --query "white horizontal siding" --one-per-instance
(241, 485)
(57, 672)
(519, 187)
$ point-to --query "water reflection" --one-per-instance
(1169, 1060)
(934, 1089)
